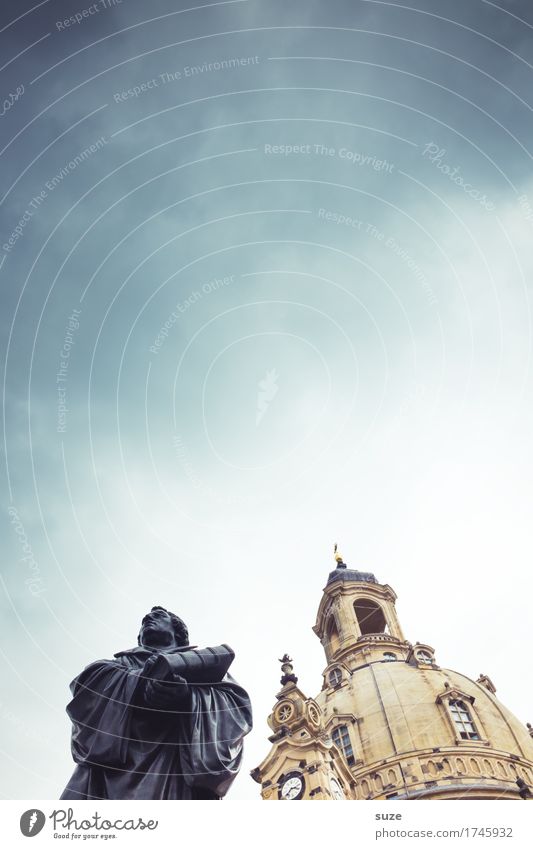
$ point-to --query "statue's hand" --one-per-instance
(167, 695)
(149, 665)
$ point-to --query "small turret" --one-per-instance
(303, 763)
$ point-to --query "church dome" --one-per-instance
(389, 722)
(419, 730)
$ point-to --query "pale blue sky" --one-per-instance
(328, 250)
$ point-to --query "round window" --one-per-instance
(284, 712)
(314, 716)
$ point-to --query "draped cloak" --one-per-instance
(124, 750)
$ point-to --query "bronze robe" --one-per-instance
(124, 750)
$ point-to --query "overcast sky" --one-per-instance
(265, 271)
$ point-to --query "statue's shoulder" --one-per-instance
(137, 651)
(97, 666)
(101, 664)
(131, 658)
(134, 657)
(96, 671)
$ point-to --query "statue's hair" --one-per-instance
(180, 629)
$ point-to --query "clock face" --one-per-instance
(336, 789)
(292, 787)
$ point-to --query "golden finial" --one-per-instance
(338, 557)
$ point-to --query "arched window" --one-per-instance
(332, 635)
(341, 738)
(335, 677)
(370, 616)
(424, 657)
(464, 724)
(389, 655)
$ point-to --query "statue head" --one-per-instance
(161, 629)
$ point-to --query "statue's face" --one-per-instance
(157, 631)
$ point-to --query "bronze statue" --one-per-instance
(159, 721)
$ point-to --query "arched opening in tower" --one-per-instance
(332, 636)
(370, 617)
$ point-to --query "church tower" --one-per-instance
(389, 722)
